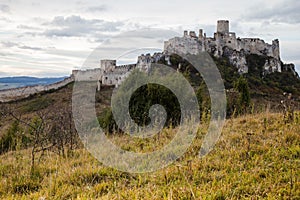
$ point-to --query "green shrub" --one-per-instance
(244, 100)
(37, 104)
(107, 122)
(9, 141)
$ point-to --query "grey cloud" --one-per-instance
(73, 20)
(9, 44)
(3, 54)
(60, 33)
(99, 38)
(5, 19)
(78, 26)
(149, 34)
(284, 12)
(100, 8)
(30, 48)
(68, 53)
(4, 8)
(21, 26)
(13, 44)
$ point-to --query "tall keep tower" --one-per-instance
(223, 26)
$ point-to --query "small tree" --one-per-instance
(244, 100)
(9, 141)
(39, 131)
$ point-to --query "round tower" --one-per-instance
(223, 26)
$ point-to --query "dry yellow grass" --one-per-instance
(257, 157)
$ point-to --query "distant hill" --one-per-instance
(21, 81)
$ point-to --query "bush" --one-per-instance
(241, 85)
(37, 104)
(107, 122)
(149, 95)
(8, 142)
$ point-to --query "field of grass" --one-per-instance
(257, 157)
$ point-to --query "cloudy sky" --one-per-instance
(50, 38)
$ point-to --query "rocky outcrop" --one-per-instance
(237, 59)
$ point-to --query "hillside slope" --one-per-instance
(257, 157)
(266, 90)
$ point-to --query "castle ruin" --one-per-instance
(110, 74)
(225, 43)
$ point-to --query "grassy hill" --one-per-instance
(257, 157)
(266, 90)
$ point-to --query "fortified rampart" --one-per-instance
(112, 75)
(24, 92)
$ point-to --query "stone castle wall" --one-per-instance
(24, 92)
(185, 45)
(87, 75)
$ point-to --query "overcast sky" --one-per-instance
(50, 38)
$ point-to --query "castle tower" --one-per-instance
(223, 26)
(275, 49)
(200, 33)
(108, 65)
(185, 33)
